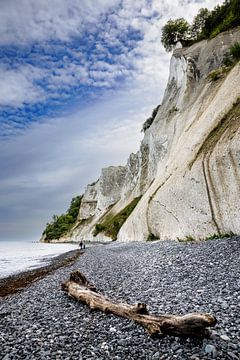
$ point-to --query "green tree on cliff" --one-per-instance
(206, 24)
(199, 23)
(174, 31)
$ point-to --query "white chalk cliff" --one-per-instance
(188, 166)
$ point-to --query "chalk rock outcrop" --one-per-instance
(105, 192)
(188, 166)
(196, 190)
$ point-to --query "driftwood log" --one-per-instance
(194, 324)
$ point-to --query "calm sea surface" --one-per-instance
(18, 256)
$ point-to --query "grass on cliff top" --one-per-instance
(112, 223)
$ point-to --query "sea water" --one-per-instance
(17, 256)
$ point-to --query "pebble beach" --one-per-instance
(42, 322)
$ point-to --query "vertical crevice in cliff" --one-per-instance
(223, 130)
(235, 167)
(147, 218)
(144, 168)
(150, 200)
(206, 175)
(208, 151)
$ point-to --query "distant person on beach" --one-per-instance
(81, 245)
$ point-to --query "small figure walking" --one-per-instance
(81, 245)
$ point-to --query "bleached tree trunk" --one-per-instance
(194, 324)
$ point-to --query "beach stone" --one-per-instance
(194, 357)
(156, 356)
(225, 337)
(224, 305)
(233, 346)
(211, 350)
(233, 356)
(112, 329)
(6, 357)
(214, 334)
(104, 346)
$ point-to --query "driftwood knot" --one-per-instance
(81, 279)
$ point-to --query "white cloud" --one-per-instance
(69, 75)
(16, 86)
(25, 21)
(22, 21)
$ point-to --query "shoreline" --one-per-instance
(17, 282)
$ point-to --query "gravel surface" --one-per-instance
(43, 323)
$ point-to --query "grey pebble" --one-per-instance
(211, 350)
(194, 357)
(233, 356)
(225, 337)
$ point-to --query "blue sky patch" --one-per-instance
(59, 73)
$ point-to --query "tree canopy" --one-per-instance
(62, 223)
(174, 31)
(206, 24)
(199, 23)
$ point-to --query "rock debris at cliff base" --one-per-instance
(43, 323)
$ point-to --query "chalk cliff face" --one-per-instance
(188, 166)
(105, 192)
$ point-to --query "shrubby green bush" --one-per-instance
(150, 120)
(215, 74)
(235, 51)
(229, 61)
(61, 224)
(187, 239)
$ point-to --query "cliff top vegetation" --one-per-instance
(61, 224)
(206, 25)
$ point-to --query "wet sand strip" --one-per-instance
(17, 282)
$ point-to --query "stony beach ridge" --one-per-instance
(42, 322)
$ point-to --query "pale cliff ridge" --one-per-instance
(188, 166)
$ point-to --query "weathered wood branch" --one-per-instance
(194, 324)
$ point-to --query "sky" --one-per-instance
(77, 80)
